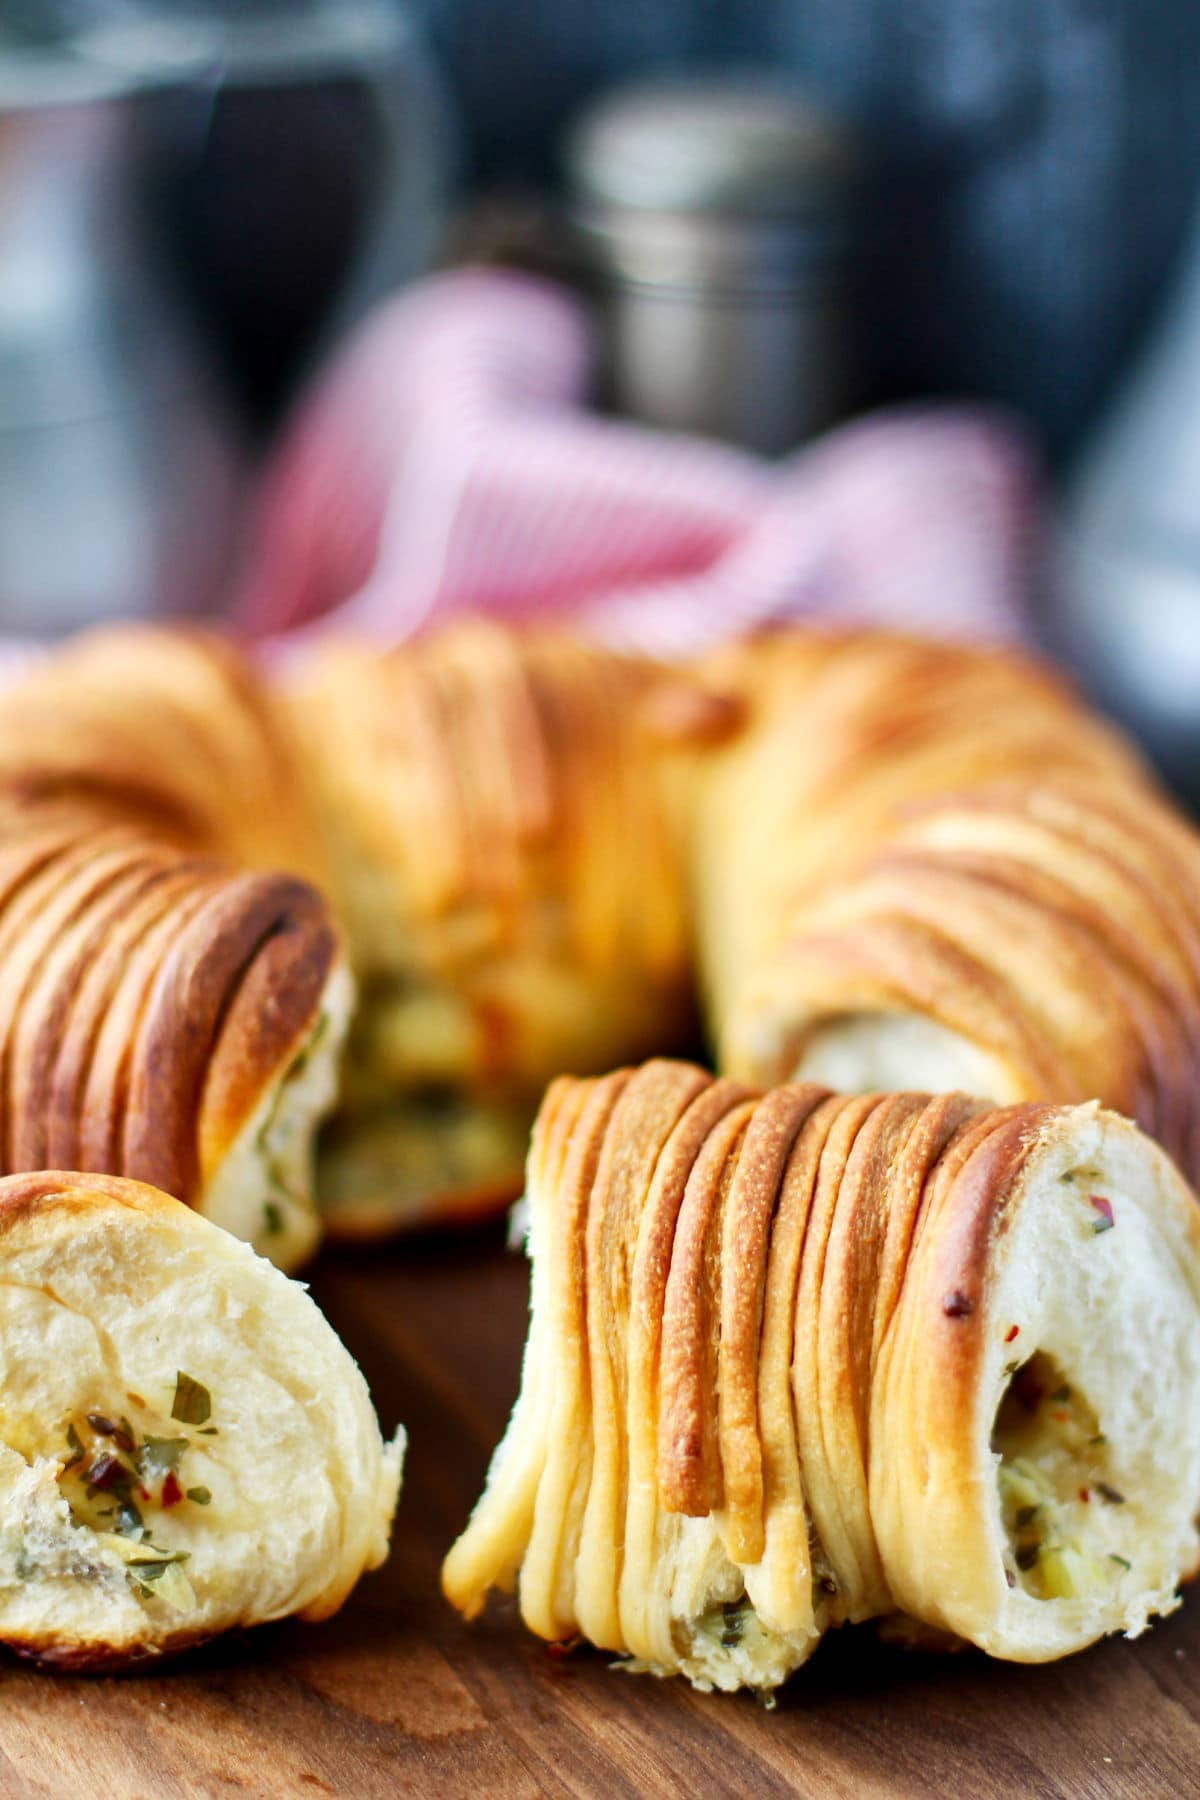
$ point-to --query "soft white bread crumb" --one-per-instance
(1001, 1546)
(263, 1189)
(895, 1052)
(283, 1492)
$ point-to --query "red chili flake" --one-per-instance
(1011, 1333)
(956, 1305)
(561, 1648)
(145, 1493)
(104, 1471)
(172, 1493)
(1084, 1495)
(1105, 1221)
(1060, 1415)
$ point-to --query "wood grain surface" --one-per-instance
(396, 1696)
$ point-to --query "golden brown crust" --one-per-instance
(689, 1467)
(165, 728)
(749, 1212)
(916, 830)
(149, 1001)
(65, 1658)
(235, 997)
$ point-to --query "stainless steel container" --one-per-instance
(119, 467)
(719, 218)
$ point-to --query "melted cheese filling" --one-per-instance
(1068, 1526)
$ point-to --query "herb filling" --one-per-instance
(1052, 1478)
(112, 1479)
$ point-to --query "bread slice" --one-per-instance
(185, 1445)
(799, 1360)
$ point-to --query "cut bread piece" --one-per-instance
(262, 1185)
(185, 1445)
(171, 1021)
(1054, 1500)
(799, 1360)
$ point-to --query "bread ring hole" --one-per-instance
(1061, 1508)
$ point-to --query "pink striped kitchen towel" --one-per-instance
(446, 461)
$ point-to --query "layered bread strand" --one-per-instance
(168, 728)
(798, 1359)
(932, 867)
(165, 1018)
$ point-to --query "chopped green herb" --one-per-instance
(129, 1519)
(193, 1402)
(210, 1431)
(201, 1495)
(1098, 1439)
(151, 1568)
(272, 1218)
(160, 1456)
(73, 1442)
(1110, 1494)
(733, 1617)
(1113, 1557)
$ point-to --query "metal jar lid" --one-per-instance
(735, 182)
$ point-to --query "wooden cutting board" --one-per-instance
(395, 1696)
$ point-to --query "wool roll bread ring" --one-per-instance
(168, 1019)
(799, 1359)
(875, 862)
(185, 1445)
(922, 866)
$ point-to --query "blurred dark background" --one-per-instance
(1034, 164)
(1036, 161)
(267, 170)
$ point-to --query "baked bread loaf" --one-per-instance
(504, 857)
(168, 1019)
(168, 728)
(165, 1012)
(884, 863)
(919, 866)
(185, 1445)
(799, 1359)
